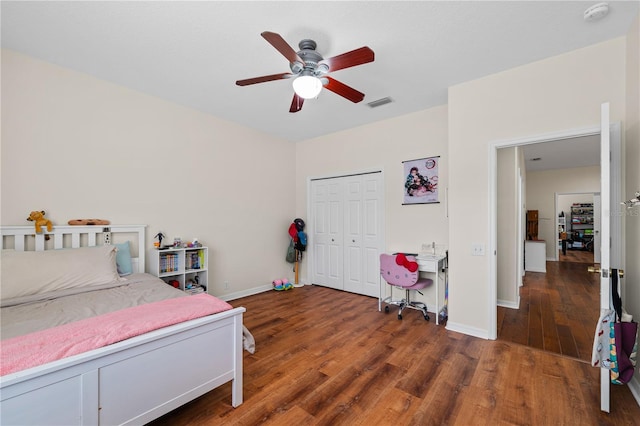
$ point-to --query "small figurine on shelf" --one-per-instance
(195, 243)
(160, 237)
(177, 242)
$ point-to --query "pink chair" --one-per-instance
(401, 271)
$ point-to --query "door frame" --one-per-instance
(617, 248)
(310, 218)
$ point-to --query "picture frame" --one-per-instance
(420, 185)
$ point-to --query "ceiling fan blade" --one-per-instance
(263, 79)
(349, 59)
(282, 46)
(296, 103)
(343, 90)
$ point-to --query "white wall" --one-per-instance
(79, 147)
(539, 98)
(541, 189)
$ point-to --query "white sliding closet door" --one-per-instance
(348, 213)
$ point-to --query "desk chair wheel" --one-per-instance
(386, 309)
(426, 317)
(399, 316)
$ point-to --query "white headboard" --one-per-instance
(23, 238)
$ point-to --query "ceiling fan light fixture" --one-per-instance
(307, 86)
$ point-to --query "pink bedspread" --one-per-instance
(20, 353)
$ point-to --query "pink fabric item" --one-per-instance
(41, 347)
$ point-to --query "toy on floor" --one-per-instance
(282, 284)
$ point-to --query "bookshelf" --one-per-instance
(582, 226)
(184, 268)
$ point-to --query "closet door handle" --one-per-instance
(332, 240)
(353, 241)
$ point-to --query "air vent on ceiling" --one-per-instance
(380, 102)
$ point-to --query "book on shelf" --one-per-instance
(169, 262)
(194, 259)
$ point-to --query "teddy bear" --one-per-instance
(40, 221)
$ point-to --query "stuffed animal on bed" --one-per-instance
(40, 221)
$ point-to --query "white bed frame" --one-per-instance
(130, 382)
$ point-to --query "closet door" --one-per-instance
(327, 232)
(372, 234)
(353, 262)
(362, 234)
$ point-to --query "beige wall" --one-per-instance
(632, 155)
(541, 189)
(79, 147)
(542, 97)
(384, 145)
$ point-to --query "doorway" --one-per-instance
(554, 310)
(525, 306)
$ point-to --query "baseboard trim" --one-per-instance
(245, 293)
(634, 386)
(465, 329)
(509, 304)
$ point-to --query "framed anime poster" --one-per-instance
(421, 181)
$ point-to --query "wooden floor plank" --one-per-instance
(324, 357)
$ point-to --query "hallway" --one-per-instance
(558, 310)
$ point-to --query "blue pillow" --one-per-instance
(123, 259)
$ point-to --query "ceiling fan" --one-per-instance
(309, 70)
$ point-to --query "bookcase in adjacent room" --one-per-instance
(582, 226)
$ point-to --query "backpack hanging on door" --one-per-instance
(623, 339)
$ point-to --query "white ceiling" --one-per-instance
(563, 154)
(192, 53)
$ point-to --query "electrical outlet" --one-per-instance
(107, 238)
(226, 285)
(477, 249)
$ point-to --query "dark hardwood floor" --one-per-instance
(558, 310)
(579, 256)
(325, 357)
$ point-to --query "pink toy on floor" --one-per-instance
(282, 284)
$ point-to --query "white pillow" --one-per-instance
(25, 273)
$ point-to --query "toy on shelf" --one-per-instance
(80, 222)
(159, 236)
(40, 221)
